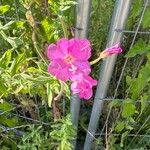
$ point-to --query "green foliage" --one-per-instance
(141, 47)
(5, 106)
(146, 18)
(63, 133)
(134, 109)
(133, 113)
(4, 9)
(34, 139)
(49, 95)
(123, 137)
(5, 59)
(128, 109)
(7, 144)
(24, 80)
(5, 117)
(144, 100)
(48, 28)
(59, 137)
(142, 81)
(120, 126)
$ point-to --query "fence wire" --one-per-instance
(125, 63)
(110, 111)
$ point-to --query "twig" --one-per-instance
(55, 103)
(41, 122)
(107, 144)
(17, 132)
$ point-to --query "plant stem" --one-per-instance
(60, 92)
(96, 60)
(39, 53)
(63, 26)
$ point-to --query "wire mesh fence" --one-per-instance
(107, 127)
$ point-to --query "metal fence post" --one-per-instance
(120, 14)
(82, 21)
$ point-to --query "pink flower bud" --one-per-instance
(116, 49)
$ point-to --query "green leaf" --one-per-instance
(136, 8)
(17, 63)
(10, 122)
(3, 88)
(5, 59)
(128, 80)
(144, 99)
(48, 28)
(115, 103)
(49, 95)
(5, 106)
(66, 5)
(32, 70)
(13, 41)
(146, 18)
(139, 48)
(4, 9)
(129, 109)
(123, 136)
(120, 126)
(129, 127)
(69, 3)
(19, 24)
(6, 26)
(64, 8)
(141, 81)
(12, 25)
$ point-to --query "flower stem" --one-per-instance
(34, 39)
(39, 53)
(61, 92)
(63, 26)
(96, 60)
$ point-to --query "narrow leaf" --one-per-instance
(49, 95)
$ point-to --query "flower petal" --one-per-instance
(53, 53)
(86, 95)
(74, 88)
(82, 84)
(59, 69)
(80, 48)
(83, 66)
(115, 49)
(62, 46)
(90, 81)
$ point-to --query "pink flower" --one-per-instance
(69, 57)
(116, 49)
(82, 85)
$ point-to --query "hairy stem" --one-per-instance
(63, 26)
(60, 92)
(96, 60)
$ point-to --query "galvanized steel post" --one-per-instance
(82, 21)
(120, 14)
